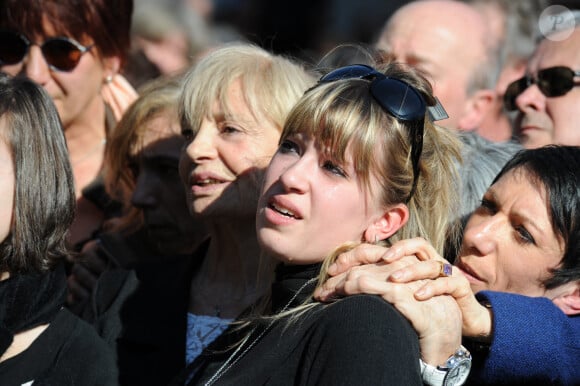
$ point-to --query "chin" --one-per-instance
(478, 288)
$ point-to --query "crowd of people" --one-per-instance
(181, 206)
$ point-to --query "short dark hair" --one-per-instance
(557, 168)
(44, 196)
(107, 22)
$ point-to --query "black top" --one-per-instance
(68, 352)
(357, 340)
(142, 313)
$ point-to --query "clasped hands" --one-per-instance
(407, 275)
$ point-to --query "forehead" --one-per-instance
(443, 35)
(166, 147)
(163, 125)
(557, 53)
(234, 105)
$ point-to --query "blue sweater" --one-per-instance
(533, 341)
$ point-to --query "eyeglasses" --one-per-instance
(397, 98)
(61, 53)
(552, 82)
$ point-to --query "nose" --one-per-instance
(531, 99)
(35, 66)
(144, 194)
(202, 147)
(483, 234)
(296, 177)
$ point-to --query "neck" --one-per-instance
(85, 138)
(233, 271)
(22, 341)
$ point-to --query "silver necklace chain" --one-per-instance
(233, 359)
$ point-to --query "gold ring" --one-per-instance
(445, 270)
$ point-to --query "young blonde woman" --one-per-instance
(359, 160)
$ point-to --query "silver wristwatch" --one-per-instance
(453, 373)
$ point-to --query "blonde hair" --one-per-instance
(344, 113)
(271, 84)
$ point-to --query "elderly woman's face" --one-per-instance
(509, 244)
(223, 164)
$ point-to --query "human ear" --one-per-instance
(568, 300)
(476, 108)
(387, 224)
(111, 66)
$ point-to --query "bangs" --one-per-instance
(29, 20)
(212, 82)
(339, 115)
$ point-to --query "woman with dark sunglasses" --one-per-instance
(41, 342)
(75, 50)
(359, 160)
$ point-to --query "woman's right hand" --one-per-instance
(375, 265)
(476, 318)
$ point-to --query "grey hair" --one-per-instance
(517, 44)
(482, 161)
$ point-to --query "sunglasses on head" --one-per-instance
(552, 82)
(60, 53)
(397, 98)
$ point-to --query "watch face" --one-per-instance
(458, 375)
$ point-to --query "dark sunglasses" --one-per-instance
(61, 53)
(552, 82)
(397, 98)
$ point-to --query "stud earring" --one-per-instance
(109, 79)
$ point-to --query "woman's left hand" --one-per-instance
(119, 95)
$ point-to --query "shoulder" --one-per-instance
(359, 312)
(353, 305)
(82, 346)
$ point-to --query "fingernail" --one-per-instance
(388, 255)
(331, 269)
(397, 275)
(421, 292)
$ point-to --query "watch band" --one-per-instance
(454, 372)
(431, 375)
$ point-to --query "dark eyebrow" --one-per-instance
(521, 216)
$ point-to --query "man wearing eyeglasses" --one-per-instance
(448, 41)
(547, 97)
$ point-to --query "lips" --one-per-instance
(280, 210)
(203, 183)
(529, 128)
(207, 181)
(468, 272)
